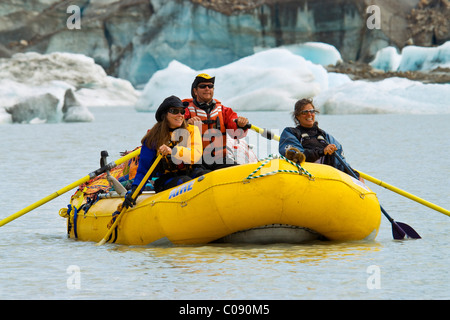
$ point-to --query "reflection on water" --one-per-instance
(313, 253)
(255, 271)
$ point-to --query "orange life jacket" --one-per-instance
(213, 128)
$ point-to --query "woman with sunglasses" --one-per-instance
(307, 141)
(179, 143)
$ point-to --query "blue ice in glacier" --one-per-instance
(412, 58)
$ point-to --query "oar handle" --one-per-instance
(266, 133)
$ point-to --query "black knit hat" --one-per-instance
(202, 77)
(168, 102)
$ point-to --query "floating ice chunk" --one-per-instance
(268, 80)
(316, 52)
(387, 59)
(412, 58)
(73, 111)
(392, 95)
(37, 109)
(28, 75)
(419, 58)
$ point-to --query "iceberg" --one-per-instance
(387, 59)
(35, 109)
(422, 59)
(391, 95)
(412, 58)
(316, 52)
(276, 78)
(268, 80)
(57, 87)
(73, 110)
(29, 75)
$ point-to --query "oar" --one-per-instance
(269, 135)
(69, 187)
(404, 193)
(134, 196)
(399, 229)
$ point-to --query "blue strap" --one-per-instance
(75, 215)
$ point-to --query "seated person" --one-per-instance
(180, 145)
(307, 138)
(215, 120)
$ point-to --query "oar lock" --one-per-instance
(113, 182)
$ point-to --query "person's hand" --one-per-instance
(330, 149)
(295, 155)
(193, 120)
(241, 122)
(165, 150)
(129, 201)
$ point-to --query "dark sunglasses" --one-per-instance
(203, 86)
(176, 111)
(312, 111)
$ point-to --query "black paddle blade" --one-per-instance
(410, 232)
(400, 230)
(397, 232)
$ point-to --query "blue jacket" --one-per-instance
(289, 139)
(189, 153)
(146, 160)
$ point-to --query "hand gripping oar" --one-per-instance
(134, 196)
(399, 229)
(69, 187)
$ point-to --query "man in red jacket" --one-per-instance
(215, 122)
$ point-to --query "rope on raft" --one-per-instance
(300, 170)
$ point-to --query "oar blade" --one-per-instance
(401, 231)
(410, 232)
(397, 231)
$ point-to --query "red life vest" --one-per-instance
(213, 128)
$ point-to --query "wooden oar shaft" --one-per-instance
(404, 193)
(70, 187)
(134, 196)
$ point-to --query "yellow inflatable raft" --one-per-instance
(269, 201)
